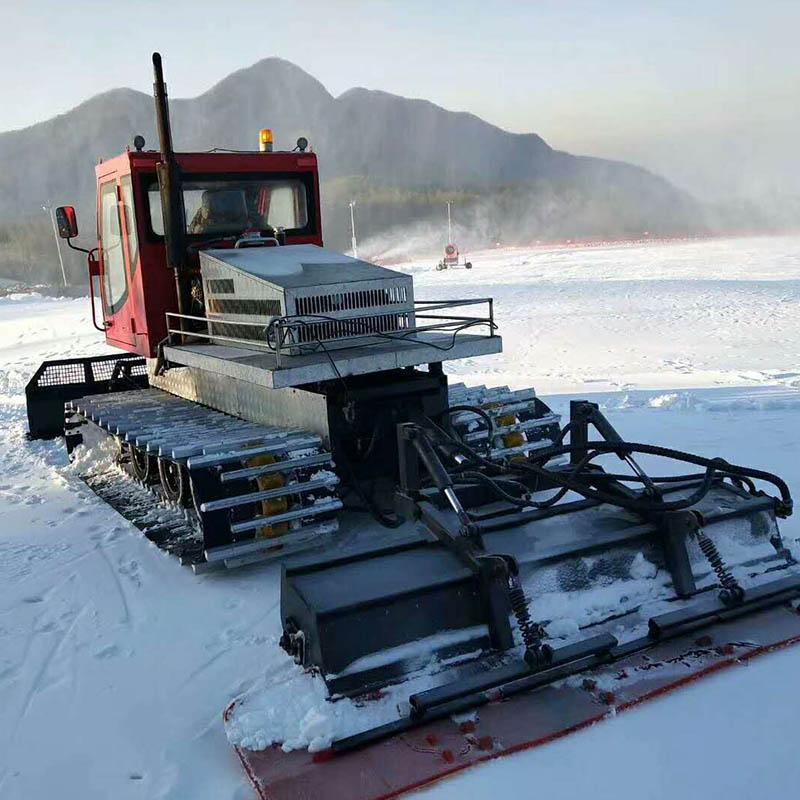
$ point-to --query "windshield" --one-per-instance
(231, 205)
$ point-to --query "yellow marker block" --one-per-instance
(269, 507)
(513, 439)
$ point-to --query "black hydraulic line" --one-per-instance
(494, 486)
(746, 482)
(496, 468)
(497, 521)
(712, 465)
(639, 504)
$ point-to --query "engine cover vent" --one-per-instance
(220, 286)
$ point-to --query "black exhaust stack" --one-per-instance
(169, 184)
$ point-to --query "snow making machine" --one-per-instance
(451, 258)
(292, 403)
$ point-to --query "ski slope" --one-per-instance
(116, 663)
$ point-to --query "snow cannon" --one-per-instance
(451, 257)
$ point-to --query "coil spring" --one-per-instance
(731, 590)
(531, 632)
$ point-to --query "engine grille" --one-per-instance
(350, 301)
(354, 327)
(220, 286)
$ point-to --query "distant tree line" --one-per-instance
(404, 222)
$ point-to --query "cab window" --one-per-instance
(130, 222)
(227, 205)
(115, 284)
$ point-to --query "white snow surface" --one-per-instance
(116, 663)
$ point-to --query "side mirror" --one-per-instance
(67, 222)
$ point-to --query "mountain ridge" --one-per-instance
(519, 185)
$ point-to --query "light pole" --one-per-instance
(353, 228)
(449, 229)
(49, 208)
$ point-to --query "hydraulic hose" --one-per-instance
(479, 412)
(639, 504)
(494, 485)
(712, 466)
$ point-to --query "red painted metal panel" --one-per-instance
(140, 324)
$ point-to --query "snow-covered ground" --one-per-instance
(684, 314)
(115, 662)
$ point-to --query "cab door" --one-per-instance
(117, 308)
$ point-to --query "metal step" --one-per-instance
(270, 494)
(279, 466)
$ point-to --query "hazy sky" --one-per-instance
(706, 92)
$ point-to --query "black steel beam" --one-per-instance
(666, 626)
(518, 668)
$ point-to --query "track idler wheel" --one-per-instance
(143, 466)
(174, 481)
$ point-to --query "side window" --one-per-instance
(130, 221)
(114, 282)
(156, 213)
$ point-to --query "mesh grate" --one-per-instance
(265, 308)
(220, 286)
(234, 331)
(348, 301)
(58, 374)
(103, 370)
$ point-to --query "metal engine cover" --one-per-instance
(340, 296)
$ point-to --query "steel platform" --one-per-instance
(264, 367)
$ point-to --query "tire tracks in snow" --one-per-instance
(228, 649)
(35, 685)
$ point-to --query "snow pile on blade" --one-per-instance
(291, 708)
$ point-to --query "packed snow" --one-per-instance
(116, 663)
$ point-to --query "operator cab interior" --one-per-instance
(228, 205)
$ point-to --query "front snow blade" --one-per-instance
(414, 753)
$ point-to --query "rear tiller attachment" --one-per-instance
(481, 594)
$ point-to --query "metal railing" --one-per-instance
(287, 336)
